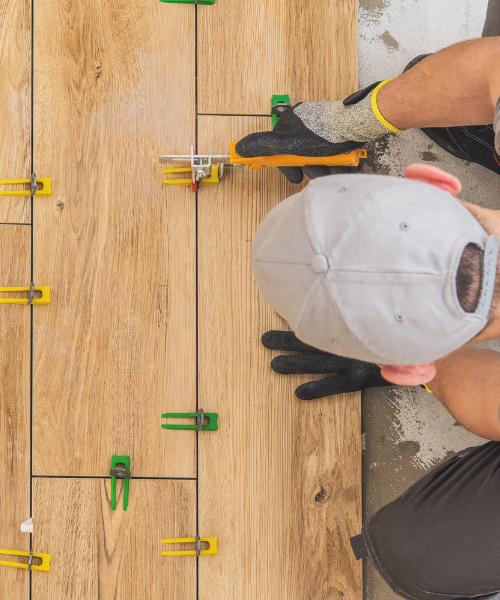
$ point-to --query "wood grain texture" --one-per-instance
(14, 406)
(249, 51)
(280, 481)
(100, 554)
(114, 88)
(15, 105)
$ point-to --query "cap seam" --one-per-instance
(411, 184)
(302, 313)
(309, 225)
(312, 230)
(471, 317)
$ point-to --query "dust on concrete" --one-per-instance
(428, 156)
(375, 7)
(420, 418)
(376, 160)
(392, 154)
(389, 40)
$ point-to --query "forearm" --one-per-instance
(456, 86)
(467, 382)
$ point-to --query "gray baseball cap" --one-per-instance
(365, 266)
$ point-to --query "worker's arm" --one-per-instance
(467, 382)
(459, 85)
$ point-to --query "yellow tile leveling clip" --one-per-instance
(45, 299)
(212, 546)
(45, 191)
(212, 180)
(45, 566)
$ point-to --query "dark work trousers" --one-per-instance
(492, 23)
(440, 540)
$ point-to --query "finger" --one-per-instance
(321, 171)
(321, 388)
(344, 170)
(338, 384)
(289, 121)
(299, 142)
(294, 364)
(286, 340)
(434, 176)
(293, 174)
(328, 386)
(316, 171)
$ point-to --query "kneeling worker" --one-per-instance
(399, 272)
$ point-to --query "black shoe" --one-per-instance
(474, 143)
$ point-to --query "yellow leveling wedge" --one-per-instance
(45, 566)
(212, 546)
(45, 191)
(212, 180)
(45, 299)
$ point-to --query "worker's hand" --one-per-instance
(318, 129)
(350, 375)
(292, 136)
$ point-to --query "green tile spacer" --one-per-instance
(189, 1)
(120, 469)
(278, 105)
(199, 416)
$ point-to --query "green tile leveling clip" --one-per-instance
(278, 105)
(200, 418)
(120, 469)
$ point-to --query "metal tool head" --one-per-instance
(33, 184)
(120, 472)
(279, 108)
(195, 160)
(200, 418)
(31, 295)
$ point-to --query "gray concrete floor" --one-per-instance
(407, 430)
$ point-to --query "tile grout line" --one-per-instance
(109, 477)
(228, 115)
(30, 580)
(196, 295)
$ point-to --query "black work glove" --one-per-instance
(351, 375)
(292, 136)
(319, 129)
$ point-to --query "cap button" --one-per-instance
(319, 263)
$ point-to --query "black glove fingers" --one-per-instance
(337, 384)
(299, 364)
(328, 386)
(293, 174)
(264, 143)
(344, 170)
(321, 171)
(314, 171)
(300, 141)
(286, 340)
(374, 379)
(288, 120)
